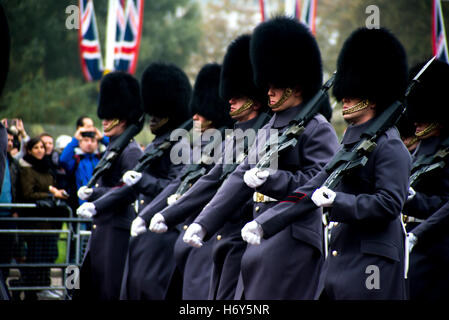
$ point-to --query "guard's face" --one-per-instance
(200, 123)
(277, 94)
(156, 123)
(421, 128)
(112, 128)
(360, 116)
(38, 150)
(236, 104)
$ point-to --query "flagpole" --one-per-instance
(262, 9)
(444, 29)
(110, 36)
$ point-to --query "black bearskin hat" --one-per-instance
(371, 65)
(119, 97)
(285, 54)
(206, 100)
(4, 53)
(236, 78)
(166, 92)
(428, 100)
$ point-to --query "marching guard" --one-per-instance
(101, 272)
(286, 64)
(428, 109)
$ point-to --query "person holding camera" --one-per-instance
(80, 156)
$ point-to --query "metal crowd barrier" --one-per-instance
(74, 237)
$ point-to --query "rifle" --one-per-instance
(343, 163)
(229, 168)
(195, 171)
(297, 127)
(115, 149)
(429, 163)
(145, 160)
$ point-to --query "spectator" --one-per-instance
(37, 180)
(80, 156)
(61, 142)
(10, 185)
(52, 157)
(86, 122)
(17, 129)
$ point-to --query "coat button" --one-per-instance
(257, 209)
(219, 237)
(142, 201)
(335, 253)
(94, 226)
(185, 227)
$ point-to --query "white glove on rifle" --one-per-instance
(131, 177)
(252, 233)
(411, 194)
(411, 241)
(84, 192)
(255, 178)
(194, 235)
(138, 227)
(323, 197)
(157, 224)
(86, 210)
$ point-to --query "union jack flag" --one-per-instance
(309, 14)
(305, 13)
(263, 12)
(293, 8)
(90, 50)
(129, 23)
(439, 42)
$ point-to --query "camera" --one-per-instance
(88, 134)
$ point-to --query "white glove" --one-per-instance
(323, 197)
(157, 224)
(194, 235)
(86, 210)
(255, 178)
(411, 240)
(138, 227)
(172, 199)
(131, 177)
(411, 194)
(252, 233)
(84, 192)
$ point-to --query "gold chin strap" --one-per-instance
(357, 107)
(411, 142)
(159, 124)
(431, 127)
(285, 95)
(112, 125)
(248, 104)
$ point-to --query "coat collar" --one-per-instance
(428, 146)
(282, 118)
(353, 132)
(246, 124)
